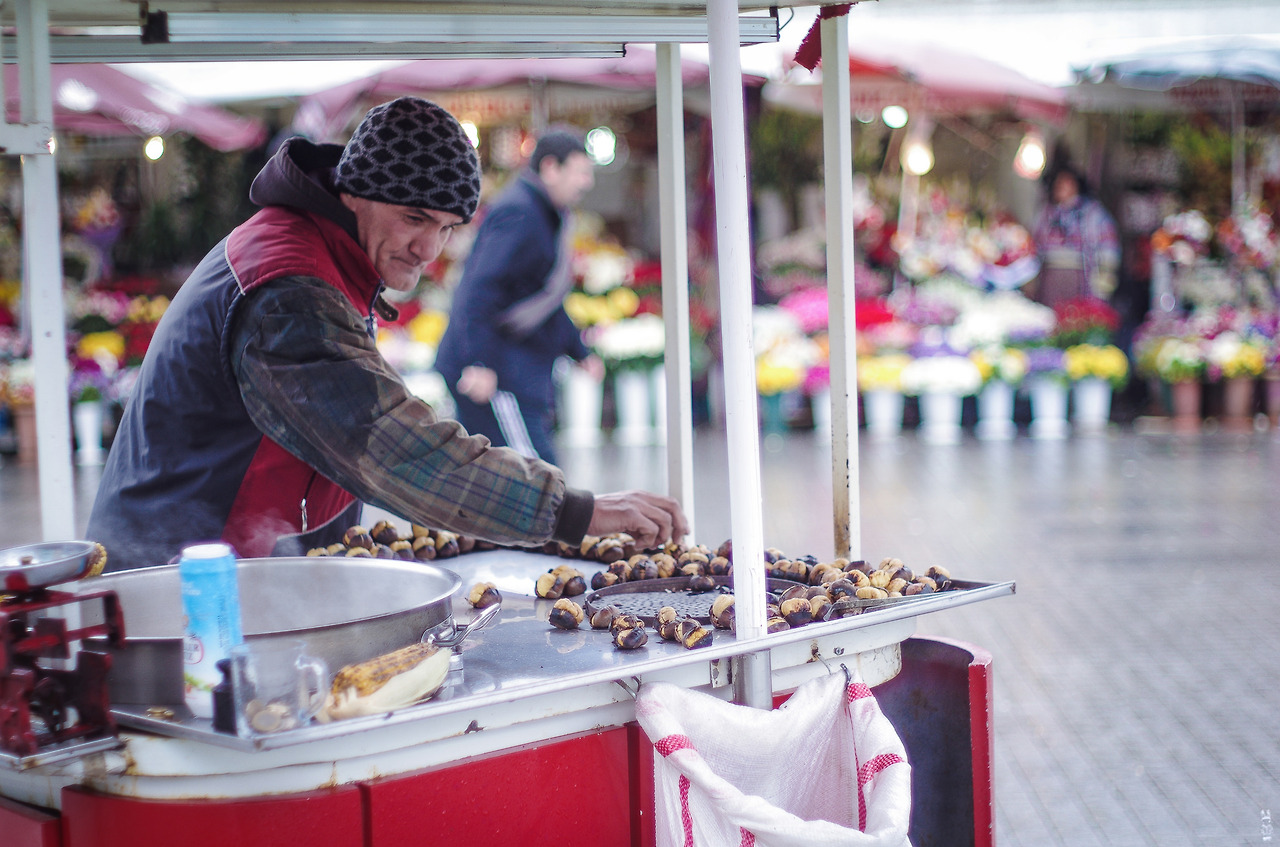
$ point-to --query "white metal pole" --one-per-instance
(752, 683)
(837, 144)
(675, 278)
(42, 280)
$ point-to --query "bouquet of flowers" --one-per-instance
(1001, 318)
(784, 353)
(1047, 363)
(995, 362)
(89, 381)
(1084, 320)
(1183, 237)
(631, 344)
(1249, 239)
(945, 374)
(1180, 360)
(1229, 355)
(1102, 361)
(18, 383)
(883, 372)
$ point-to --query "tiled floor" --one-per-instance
(1137, 667)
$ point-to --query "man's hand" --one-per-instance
(651, 519)
(594, 366)
(478, 383)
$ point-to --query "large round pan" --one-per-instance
(345, 610)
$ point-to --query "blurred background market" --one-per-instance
(1168, 112)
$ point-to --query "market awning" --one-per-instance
(513, 87)
(930, 79)
(100, 100)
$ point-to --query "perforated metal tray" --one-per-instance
(645, 597)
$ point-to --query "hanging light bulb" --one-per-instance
(917, 157)
(154, 148)
(471, 132)
(894, 117)
(1029, 161)
(602, 145)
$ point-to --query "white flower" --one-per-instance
(941, 374)
(643, 336)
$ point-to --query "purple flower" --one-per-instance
(1044, 360)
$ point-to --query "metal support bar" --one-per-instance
(42, 277)
(675, 279)
(837, 144)
(321, 27)
(733, 252)
(127, 48)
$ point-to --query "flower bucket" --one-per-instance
(1048, 409)
(940, 417)
(1237, 404)
(1092, 405)
(773, 417)
(1186, 406)
(86, 417)
(883, 411)
(995, 412)
(631, 390)
(581, 404)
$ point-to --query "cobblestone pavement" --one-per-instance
(1135, 668)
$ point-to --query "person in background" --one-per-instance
(1076, 241)
(263, 413)
(507, 325)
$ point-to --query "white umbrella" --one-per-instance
(1245, 70)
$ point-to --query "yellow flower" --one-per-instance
(427, 327)
(96, 344)
(1101, 361)
(774, 379)
(882, 372)
(623, 302)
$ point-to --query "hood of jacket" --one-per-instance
(300, 176)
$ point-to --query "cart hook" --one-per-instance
(628, 688)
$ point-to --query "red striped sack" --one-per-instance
(826, 768)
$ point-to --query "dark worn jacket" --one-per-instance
(264, 414)
(514, 250)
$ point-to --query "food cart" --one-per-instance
(535, 736)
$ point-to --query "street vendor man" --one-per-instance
(264, 415)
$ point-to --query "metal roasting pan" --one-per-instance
(345, 611)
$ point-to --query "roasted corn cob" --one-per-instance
(393, 681)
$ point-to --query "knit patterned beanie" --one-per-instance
(411, 152)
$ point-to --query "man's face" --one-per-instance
(568, 182)
(400, 240)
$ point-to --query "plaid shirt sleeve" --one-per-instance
(313, 381)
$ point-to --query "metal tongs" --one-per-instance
(449, 634)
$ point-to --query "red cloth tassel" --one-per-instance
(810, 52)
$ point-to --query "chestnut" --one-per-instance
(402, 550)
(575, 585)
(357, 536)
(630, 639)
(424, 548)
(483, 594)
(384, 532)
(722, 611)
(797, 611)
(777, 624)
(699, 584)
(565, 614)
(601, 618)
(550, 586)
(725, 550)
(693, 635)
(819, 607)
(625, 622)
(720, 566)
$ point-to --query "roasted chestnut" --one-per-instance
(357, 536)
(550, 586)
(446, 544)
(669, 630)
(917, 588)
(402, 550)
(819, 606)
(358, 553)
(841, 589)
(601, 618)
(630, 639)
(419, 531)
(691, 569)
(698, 584)
(337, 549)
(772, 554)
(667, 613)
(879, 579)
(588, 544)
(666, 567)
(382, 551)
(466, 544)
(620, 569)
(871, 593)
(725, 550)
(644, 569)
(424, 548)
(598, 580)
(723, 612)
(483, 594)
(318, 551)
(796, 611)
(626, 622)
(575, 585)
(719, 566)
(896, 584)
(384, 532)
(692, 634)
(777, 624)
(565, 614)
